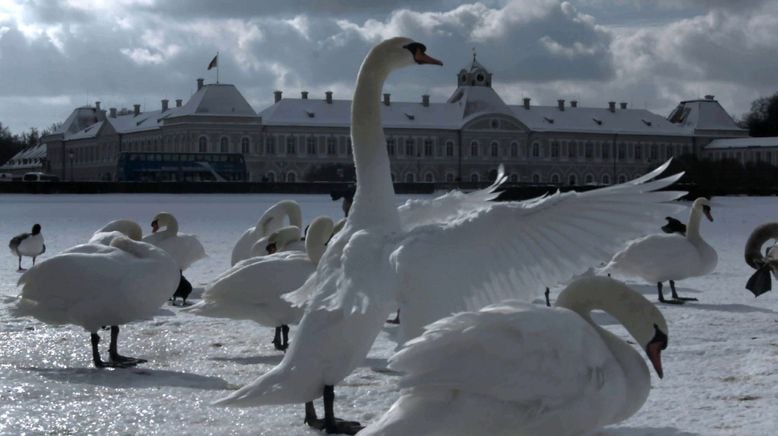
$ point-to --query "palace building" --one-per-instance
(464, 138)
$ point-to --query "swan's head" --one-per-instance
(279, 239)
(127, 227)
(402, 52)
(162, 219)
(760, 235)
(36, 228)
(703, 204)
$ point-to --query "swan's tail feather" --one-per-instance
(280, 385)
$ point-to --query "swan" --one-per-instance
(286, 238)
(96, 285)
(252, 288)
(514, 368)
(117, 228)
(760, 281)
(28, 244)
(185, 249)
(271, 220)
(660, 257)
(433, 257)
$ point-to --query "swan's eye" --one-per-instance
(415, 47)
(659, 337)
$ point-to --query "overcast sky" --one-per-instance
(57, 55)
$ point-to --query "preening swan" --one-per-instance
(270, 221)
(28, 244)
(115, 229)
(521, 369)
(760, 282)
(252, 288)
(658, 258)
(433, 258)
(185, 249)
(96, 285)
(286, 238)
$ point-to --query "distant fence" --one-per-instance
(510, 191)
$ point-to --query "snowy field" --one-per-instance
(721, 366)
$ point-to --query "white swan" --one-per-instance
(669, 257)
(520, 369)
(434, 258)
(286, 238)
(186, 249)
(115, 229)
(28, 244)
(760, 282)
(252, 288)
(96, 285)
(270, 221)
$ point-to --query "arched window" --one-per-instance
(606, 179)
(449, 149)
(203, 144)
(622, 178)
(271, 177)
(291, 145)
(270, 145)
(572, 180)
(589, 179)
(409, 178)
(409, 149)
(474, 149)
(555, 178)
(536, 178)
(495, 149)
(429, 178)
(244, 145)
(291, 177)
(428, 147)
(310, 145)
(474, 177)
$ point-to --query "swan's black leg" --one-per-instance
(20, 264)
(675, 294)
(95, 352)
(277, 343)
(310, 416)
(117, 359)
(285, 338)
(33, 261)
(548, 301)
(662, 296)
(332, 424)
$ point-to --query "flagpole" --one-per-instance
(217, 67)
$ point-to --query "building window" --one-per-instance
(669, 151)
(555, 178)
(270, 145)
(291, 177)
(606, 151)
(495, 149)
(572, 149)
(203, 144)
(654, 153)
(270, 177)
(390, 146)
(622, 151)
(409, 151)
(224, 145)
(474, 177)
(638, 153)
(606, 179)
(571, 180)
(449, 177)
(514, 149)
(332, 146)
(291, 145)
(449, 149)
(554, 149)
(244, 145)
(409, 178)
(589, 150)
(589, 179)
(429, 178)
(536, 178)
(428, 147)
(474, 149)
(536, 150)
(622, 178)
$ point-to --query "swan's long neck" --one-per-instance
(171, 225)
(693, 226)
(374, 197)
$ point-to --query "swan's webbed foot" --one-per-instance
(125, 362)
(675, 294)
(330, 426)
(662, 296)
(396, 319)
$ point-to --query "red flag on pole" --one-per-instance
(214, 63)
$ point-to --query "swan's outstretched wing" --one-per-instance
(530, 355)
(414, 213)
(515, 249)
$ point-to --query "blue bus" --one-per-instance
(181, 167)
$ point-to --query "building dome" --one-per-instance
(474, 75)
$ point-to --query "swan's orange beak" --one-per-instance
(654, 351)
(154, 226)
(423, 58)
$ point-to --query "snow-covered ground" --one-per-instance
(721, 367)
